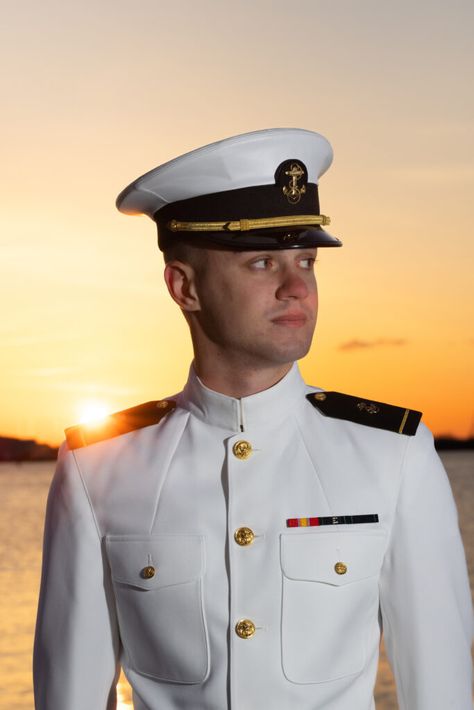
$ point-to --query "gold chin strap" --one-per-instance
(245, 225)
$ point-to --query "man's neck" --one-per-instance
(238, 381)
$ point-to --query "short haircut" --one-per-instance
(192, 253)
(182, 250)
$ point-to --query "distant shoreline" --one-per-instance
(443, 443)
(19, 450)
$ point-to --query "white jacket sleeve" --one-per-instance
(425, 597)
(76, 644)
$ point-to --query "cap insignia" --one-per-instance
(293, 191)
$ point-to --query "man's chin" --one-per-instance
(291, 353)
(293, 348)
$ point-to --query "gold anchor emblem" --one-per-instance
(292, 191)
(370, 408)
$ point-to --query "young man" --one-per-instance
(242, 545)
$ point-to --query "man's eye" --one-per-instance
(307, 263)
(263, 263)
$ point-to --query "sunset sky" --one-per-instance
(96, 93)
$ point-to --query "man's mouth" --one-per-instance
(291, 320)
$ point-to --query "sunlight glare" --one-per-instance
(93, 411)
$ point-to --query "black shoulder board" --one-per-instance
(119, 423)
(368, 412)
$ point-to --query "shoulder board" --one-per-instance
(365, 411)
(119, 423)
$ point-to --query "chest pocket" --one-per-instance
(330, 602)
(158, 588)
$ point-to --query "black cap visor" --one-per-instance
(255, 240)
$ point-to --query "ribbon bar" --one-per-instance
(331, 520)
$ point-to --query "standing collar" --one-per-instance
(260, 410)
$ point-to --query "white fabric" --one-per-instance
(241, 161)
(171, 496)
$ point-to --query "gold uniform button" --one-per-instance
(320, 396)
(340, 568)
(242, 449)
(245, 628)
(244, 536)
(148, 572)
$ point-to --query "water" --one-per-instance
(23, 491)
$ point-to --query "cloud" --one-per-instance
(49, 371)
(84, 389)
(437, 174)
(357, 344)
(94, 389)
(37, 339)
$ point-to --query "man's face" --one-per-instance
(258, 308)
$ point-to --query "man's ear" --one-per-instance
(180, 279)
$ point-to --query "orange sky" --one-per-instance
(97, 93)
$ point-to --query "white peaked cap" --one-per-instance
(242, 161)
(220, 170)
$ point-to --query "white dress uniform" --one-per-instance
(167, 549)
(245, 554)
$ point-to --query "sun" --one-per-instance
(93, 411)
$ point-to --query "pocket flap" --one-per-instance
(332, 558)
(151, 562)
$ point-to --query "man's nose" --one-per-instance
(292, 286)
